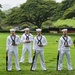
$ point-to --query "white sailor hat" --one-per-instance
(26, 29)
(64, 30)
(38, 30)
(11, 30)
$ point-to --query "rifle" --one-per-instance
(6, 61)
(57, 60)
(33, 60)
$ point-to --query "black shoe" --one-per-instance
(19, 70)
(32, 70)
(44, 70)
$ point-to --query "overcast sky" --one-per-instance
(6, 4)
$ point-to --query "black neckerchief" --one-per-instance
(65, 39)
(39, 40)
(27, 36)
(13, 40)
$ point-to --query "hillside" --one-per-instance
(69, 22)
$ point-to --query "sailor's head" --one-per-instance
(27, 30)
(38, 31)
(64, 31)
(12, 31)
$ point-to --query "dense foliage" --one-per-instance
(37, 12)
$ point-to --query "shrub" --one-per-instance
(24, 26)
(63, 26)
(8, 27)
(34, 28)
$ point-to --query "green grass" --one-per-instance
(50, 58)
(69, 22)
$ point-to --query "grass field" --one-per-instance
(50, 58)
(69, 22)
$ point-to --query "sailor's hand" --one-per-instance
(27, 41)
(40, 45)
(66, 45)
(14, 44)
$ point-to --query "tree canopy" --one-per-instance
(69, 13)
(38, 12)
(2, 15)
(33, 11)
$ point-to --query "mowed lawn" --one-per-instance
(50, 58)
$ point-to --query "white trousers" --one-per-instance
(29, 54)
(13, 50)
(67, 52)
(41, 52)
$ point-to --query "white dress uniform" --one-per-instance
(12, 50)
(39, 50)
(64, 50)
(26, 47)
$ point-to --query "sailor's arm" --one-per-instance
(44, 41)
(7, 43)
(18, 40)
(70, 42)
(59, 46)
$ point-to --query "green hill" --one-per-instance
(69, 22)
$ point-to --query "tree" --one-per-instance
(47, 24)
(61, 8)
(33, 11)
(13, 17)
(69, 13)
(67, 4)
(37, 11)
(2, 16)
(58, 12)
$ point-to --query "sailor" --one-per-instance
(12, 43)
(64, 48)
(38, 46)
(26, 39)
